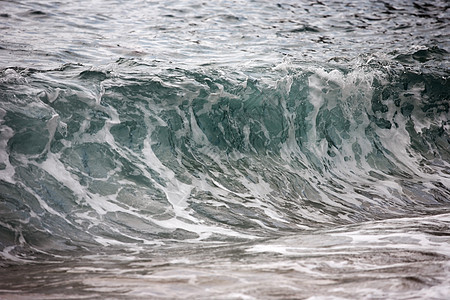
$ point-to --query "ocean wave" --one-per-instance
(208, 155)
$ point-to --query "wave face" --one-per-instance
(262, 165)
(206, 156)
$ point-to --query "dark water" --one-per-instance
(224, 150)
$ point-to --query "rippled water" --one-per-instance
(225, 150)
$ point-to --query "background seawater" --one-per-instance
(224, 149)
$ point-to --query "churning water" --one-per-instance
(224, 149)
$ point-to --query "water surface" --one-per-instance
(226, 150)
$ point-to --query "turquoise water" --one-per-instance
(226, 150)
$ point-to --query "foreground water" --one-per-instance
(226, 150)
